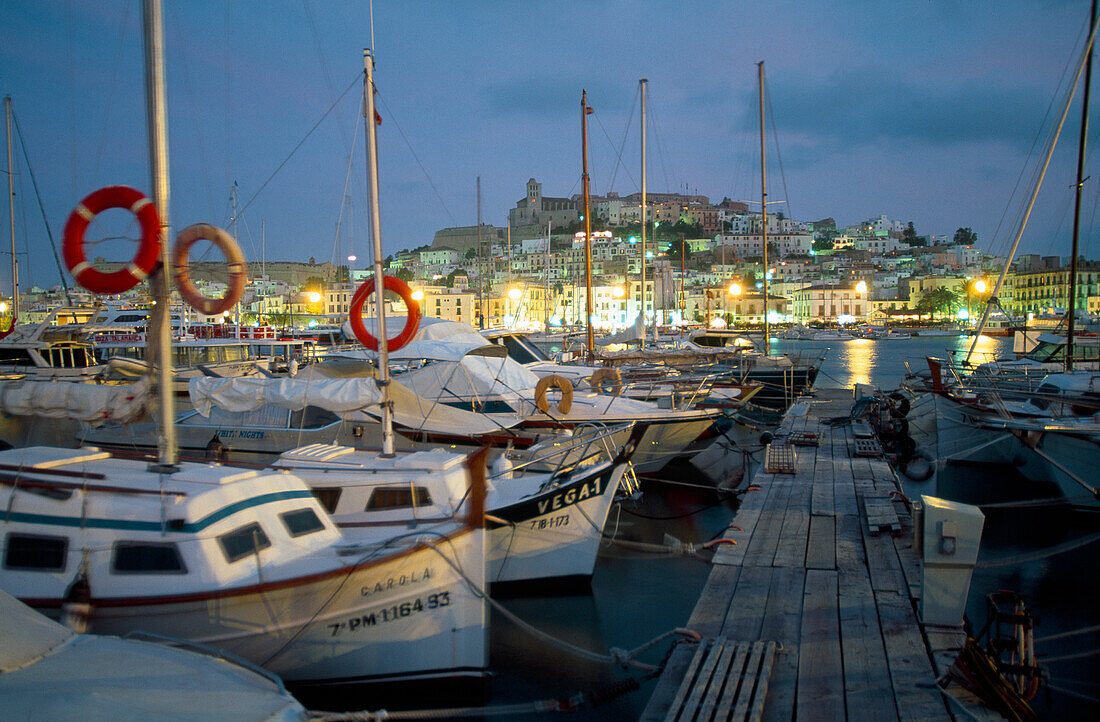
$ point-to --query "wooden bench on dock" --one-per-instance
(816, 593)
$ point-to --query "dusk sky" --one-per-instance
(930, 111)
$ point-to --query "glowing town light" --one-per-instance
(735, 289)
(633, 239)
(649, 254)
(417, 295)
(861, 287)
(618, 292)
(353, 258)
(717, 322)
(515, 294)
(980, 286)
(773, 317)
(3, 306)
(963, 314)
(314, 297)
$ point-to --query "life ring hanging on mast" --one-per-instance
(181, 269)
(412, 313)
(143, 262)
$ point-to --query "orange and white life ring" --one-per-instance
(412, 313)
(181, 268)
(143, 262)
(544, 385)
(606, 381)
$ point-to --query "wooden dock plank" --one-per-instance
(867, 692)
(907, 657)
(765, 537)
(783, 623)
(819, 653)
(743, 617)
(821, 548)
(822, 500)
(710, 611)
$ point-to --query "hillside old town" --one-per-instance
(703, 263)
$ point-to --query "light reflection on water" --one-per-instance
(883, 363)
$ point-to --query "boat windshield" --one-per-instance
(266, 417)
(1049, 351)
(521, 350)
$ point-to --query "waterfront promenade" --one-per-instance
(811, 615)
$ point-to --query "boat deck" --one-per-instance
(811, 615)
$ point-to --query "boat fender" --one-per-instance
(898, 405)
(607, 381)
(128, 366)
(544, 385)
(148, 252)
(412, 313)
(502, 467)
(766, 438)
(918, 468)
(181, 268)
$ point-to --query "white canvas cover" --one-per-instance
(91, 403)
(473, 377)
(344, 396)
(250, 392)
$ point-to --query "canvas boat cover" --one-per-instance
(91, 403)
(48, 672)
(344, 396)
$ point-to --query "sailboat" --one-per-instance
(243, 560)
(1053, 432)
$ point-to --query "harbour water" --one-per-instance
(636, 596)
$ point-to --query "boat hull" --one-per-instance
(409, 616)
(555, 536)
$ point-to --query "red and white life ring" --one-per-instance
(412, 317)
(181, 269)
(144, 260)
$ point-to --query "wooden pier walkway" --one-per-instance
(811, 616)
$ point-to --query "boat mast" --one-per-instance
(585, 110)
(157, 112)
(1034, 194)
(764, 207)
(11, 218)
(643, 83)
(1071, 305)
(376, 237)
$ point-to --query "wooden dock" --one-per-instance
(812, 614)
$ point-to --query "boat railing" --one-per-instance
(591, 442)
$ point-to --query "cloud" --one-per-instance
(867, 107)
(552, 96)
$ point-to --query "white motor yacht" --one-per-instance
(245, 561)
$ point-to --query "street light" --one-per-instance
(979, 287)
(735, 291)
